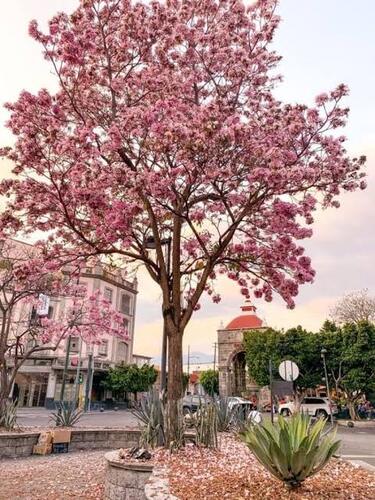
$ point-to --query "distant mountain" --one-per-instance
(195, 357)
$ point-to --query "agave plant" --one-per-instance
(225, 414)
(8, 416)
(67, 415)
(293, 449)
(150, 411)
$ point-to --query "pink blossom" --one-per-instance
(152, 133)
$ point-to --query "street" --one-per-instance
(357, 444)
(40, 417)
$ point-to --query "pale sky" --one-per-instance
(323, 43)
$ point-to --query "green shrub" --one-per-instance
(209, 380)
(293, 449)
(67, 415)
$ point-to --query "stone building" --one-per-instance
(233, 378)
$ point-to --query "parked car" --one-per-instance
(235, 401)
(248, 408)
(191, 403)
(317, 407)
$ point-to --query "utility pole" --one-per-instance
(88, 382)
(151, 245)
(188, 361)
(78, 372)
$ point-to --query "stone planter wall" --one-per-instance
(102, 439)
(157, 487)
(125, 480)
(15, 445)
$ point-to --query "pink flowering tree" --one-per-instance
(164, 127)
(24, 280)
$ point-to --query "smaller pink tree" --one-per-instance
(24, 278)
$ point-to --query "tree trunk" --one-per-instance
(298, 397)
(352, 410)
(4, 388)
(174, 391)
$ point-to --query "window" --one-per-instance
(108, 293)
(34, 319)
(313, 401)
(30, 344)
(125, 324)
(84, 287)
(122, 352)
(50, 312)
(74, 344)
(125, 304)
(103, 348)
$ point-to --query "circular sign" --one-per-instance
(288, 370)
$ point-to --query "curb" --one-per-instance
(363, 465)
(369, 424)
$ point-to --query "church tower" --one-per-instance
(233, 379)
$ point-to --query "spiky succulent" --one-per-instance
(293, 449)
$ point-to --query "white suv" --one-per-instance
(317, 407)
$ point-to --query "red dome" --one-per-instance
(245, 320)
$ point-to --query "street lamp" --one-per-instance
(90, 376)
(151, 245)
(323, 353)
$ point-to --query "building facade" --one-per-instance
(39, 380)
(233, 377)
(141, 360)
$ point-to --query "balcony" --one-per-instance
(110, 276)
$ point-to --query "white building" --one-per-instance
(39, 381)
(140, 360)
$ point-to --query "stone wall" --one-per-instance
(101, 439)
(228, 343)
(125, 480)
(17, 445)
(13, 445)
(157, 487)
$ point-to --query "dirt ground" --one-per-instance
(77, 475)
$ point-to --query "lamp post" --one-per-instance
(323, 353)
(90, 374)
(151, 245)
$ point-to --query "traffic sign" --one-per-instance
(288, 370)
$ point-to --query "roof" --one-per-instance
(245, 321)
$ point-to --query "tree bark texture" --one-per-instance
(174, 390)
